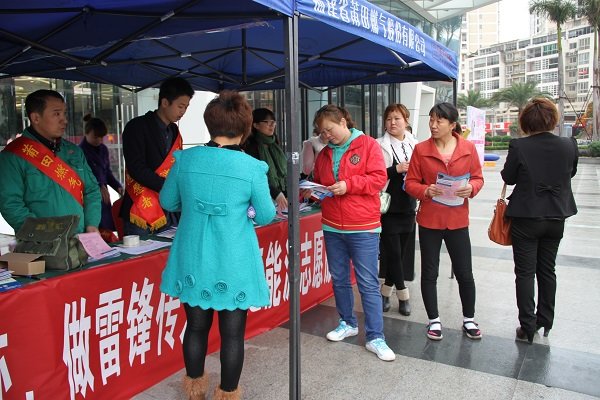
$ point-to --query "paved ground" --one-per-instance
(566, 365)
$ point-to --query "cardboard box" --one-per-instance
(23, 264)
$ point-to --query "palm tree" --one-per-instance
(559, 12)
(447, 29)
(591, 9)
(519, 94)
(473, 98)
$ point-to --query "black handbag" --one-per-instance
(54, 238)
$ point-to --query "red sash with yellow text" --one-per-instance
(146, 211)
(49, 164)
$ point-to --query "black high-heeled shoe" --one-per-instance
(523, 335)
(546, 330)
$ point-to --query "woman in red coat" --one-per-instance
(444, 172)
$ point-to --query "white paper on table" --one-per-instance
(302, 207)
(95, 246)
(169, 233)
(144, 247)
(449, 185)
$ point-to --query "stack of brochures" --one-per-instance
(7, 281)
(318, 192)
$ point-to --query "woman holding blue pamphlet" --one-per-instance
(444, 173)
(353, 170)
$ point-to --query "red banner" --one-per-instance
(109, 333)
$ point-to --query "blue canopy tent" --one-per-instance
(215, 45)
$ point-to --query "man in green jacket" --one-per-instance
(42, 175)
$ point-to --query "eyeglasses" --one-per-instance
(269, 122)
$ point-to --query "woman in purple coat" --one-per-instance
(96, 154)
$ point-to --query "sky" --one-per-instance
(514, 19)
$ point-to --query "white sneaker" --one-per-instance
(379, 347)
(342, 331)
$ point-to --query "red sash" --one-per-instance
(49, 164)
(146, 211)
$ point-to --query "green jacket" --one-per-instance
(26, 192)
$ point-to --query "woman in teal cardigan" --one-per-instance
(215, 262)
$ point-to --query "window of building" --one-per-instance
(548, 77)
(584, 44)
(493, 60)
(534, 52)
(549, 49)
(582, 87)
(583, 58)
(583, 73)
(480, 62)
(572, 46)
(533, 66)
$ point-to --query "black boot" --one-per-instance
(386, 303)
(403, 303)
(404, 307)
(386, 292)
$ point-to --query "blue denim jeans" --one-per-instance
(362, 249)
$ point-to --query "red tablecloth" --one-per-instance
(109, 333)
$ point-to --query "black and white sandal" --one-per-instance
(434, 331)
(472, 333)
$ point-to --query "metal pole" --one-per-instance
(292, 150)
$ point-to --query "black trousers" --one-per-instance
(535, 245)
(458, 244)
(232, 326)
(393, 250)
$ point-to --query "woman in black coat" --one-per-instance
(541, 166)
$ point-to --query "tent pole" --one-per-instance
(454, 91)
(292, 148)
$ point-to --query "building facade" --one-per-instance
(500, 65)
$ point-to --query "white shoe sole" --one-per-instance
(390, 358)
(338, 339)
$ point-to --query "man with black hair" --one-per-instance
(44, 175)
(149, 142)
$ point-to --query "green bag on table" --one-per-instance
(54, 238)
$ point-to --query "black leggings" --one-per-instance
(458, 244)
(232, 326)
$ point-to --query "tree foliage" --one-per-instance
(558, 11)
(591, 10)
(519, 94)
(473, 98)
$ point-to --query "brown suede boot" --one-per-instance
(222, 395)
(196, 388)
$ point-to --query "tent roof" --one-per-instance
(214, 44)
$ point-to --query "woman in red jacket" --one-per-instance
(352, 168)
(444, 172)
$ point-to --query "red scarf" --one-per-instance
(146, 211)
(49, 164)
